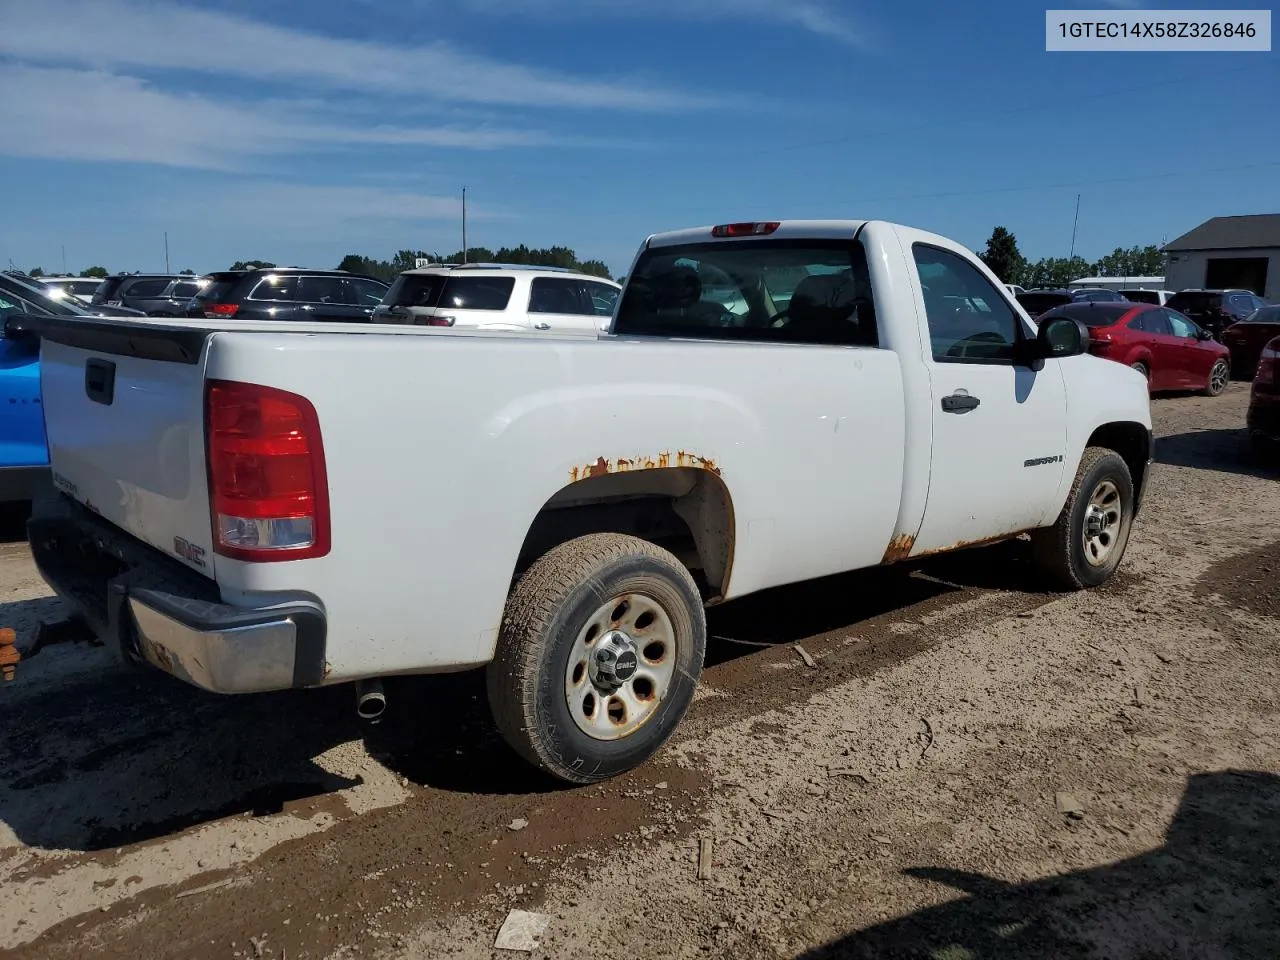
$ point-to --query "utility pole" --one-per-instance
(1073, 228)
(64, 259)
(166, 251)
(464, 224)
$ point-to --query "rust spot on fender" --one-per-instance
(662, 461)
(966, 544)
(899, 548)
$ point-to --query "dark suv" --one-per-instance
(287, 293)
(155, 294)
(1215, 310)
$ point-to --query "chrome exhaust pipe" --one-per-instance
(371, 701)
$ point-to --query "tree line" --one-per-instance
(404, 260)
(1008, 263)
(388, 270)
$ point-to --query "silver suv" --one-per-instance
(499, 296)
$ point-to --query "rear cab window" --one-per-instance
(770, 291)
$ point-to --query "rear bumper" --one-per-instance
(23, 483)
(150, 608)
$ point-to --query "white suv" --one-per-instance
(496, 296)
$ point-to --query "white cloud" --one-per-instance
(84, 115)
(151, 34)
(823, 17)
(300, 208)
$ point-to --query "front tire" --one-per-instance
(1219, 376)
(600, 650)
(1085, 546)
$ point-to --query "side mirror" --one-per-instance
(19, 327)
(1059, 337)
(1203, 334)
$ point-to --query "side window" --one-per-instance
(275, 287)
(1180, 325)
(364, 293)
(968, 319)
(185, 290)
(321, 290)
(558, 295)
(147, 288)
(603, 297)
(1152, 321)
(477, 293)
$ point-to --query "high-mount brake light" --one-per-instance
(268, 489)
(745, 229)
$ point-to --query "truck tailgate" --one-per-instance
(124, 412)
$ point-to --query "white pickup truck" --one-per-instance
(255, 506)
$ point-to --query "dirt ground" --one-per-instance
(973, 769)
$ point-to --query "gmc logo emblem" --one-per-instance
(188, 551)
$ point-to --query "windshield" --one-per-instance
(1037, 303)
(1193, 301)
(218, 288)
(1142, 296)
(1264, 315)
(39, 298)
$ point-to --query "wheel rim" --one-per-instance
(1218, 377)
(621, 666)
(1102, 519)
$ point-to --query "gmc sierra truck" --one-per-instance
(253, 506)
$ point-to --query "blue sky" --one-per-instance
(300, 131)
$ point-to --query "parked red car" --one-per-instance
(1246, 339)
(1264, 404)
(1162, 344)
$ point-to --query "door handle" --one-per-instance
(959, 403)
(542, 326)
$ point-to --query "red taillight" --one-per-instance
(215, 311)
(434, 321)
(1099, 343)
(1267, 366)
(745, 229)
(268, 490)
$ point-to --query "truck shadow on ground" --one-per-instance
(1226, 451)
(438, 731)
(100, 755)
(1210, 890)
(13, 522)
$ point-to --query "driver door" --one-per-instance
(999, 428)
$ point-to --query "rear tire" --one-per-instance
(582, 685)
(1085, 546)
(1142, 369)
(1219, 377)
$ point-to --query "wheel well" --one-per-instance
(1132, 441)
(686, 510)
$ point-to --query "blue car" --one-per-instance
(24, 455)
(24, 451)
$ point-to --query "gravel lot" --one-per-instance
(973, 769)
